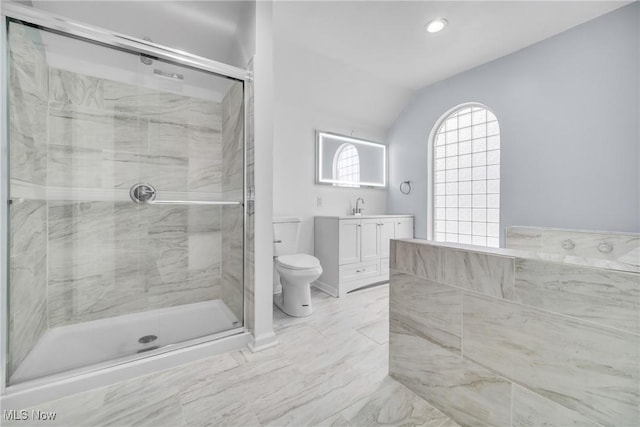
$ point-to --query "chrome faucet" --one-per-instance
(358, 210)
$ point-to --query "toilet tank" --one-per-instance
(285, 236)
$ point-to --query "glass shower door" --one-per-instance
(189, 197)
(96, 277)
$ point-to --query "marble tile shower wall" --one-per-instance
(113, 257)
(77, 144)
(493, 339)
(233, 233)
(28, 91)
(623, 248)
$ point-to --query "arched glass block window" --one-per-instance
(466, 177)
(346, 165)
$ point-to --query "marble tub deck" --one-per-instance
(330, 369)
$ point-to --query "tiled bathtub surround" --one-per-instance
(495, 338)
(80, 248)
(623, 248)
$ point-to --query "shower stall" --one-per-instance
(124, 178)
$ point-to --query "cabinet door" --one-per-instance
(404, 228)
(370, 240)
(387, 232)
(349, 241)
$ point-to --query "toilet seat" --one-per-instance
(298, 262)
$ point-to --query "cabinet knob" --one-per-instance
(399, 222)
(360, 271)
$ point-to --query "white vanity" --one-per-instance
(354, 249)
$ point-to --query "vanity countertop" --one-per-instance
(363, 216)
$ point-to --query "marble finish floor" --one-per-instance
(330, 369)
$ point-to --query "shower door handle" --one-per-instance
(146, 194)
(189, 202)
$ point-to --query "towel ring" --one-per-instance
(405, 187)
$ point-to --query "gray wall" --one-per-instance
(568, 109)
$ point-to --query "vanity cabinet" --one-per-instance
(354, 250)
(359, 240)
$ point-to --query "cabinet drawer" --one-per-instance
(359, 271)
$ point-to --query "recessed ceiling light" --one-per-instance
(436, 25)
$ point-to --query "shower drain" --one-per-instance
(147, 339)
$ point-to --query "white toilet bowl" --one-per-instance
(296, 274)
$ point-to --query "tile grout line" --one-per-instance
(182, 411)
(513, 383)
(513, 284)
(511, 403)
(46, 204)
(576, 319)
(461, 324)
(507, 379)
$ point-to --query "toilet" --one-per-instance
(292, 270)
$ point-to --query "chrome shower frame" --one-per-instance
(91, 34)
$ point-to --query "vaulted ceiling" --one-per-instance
(363, 61)
(387, 38)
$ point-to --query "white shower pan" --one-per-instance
(109, 341)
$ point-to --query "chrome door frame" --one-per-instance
(92, 34)
(79, 30)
